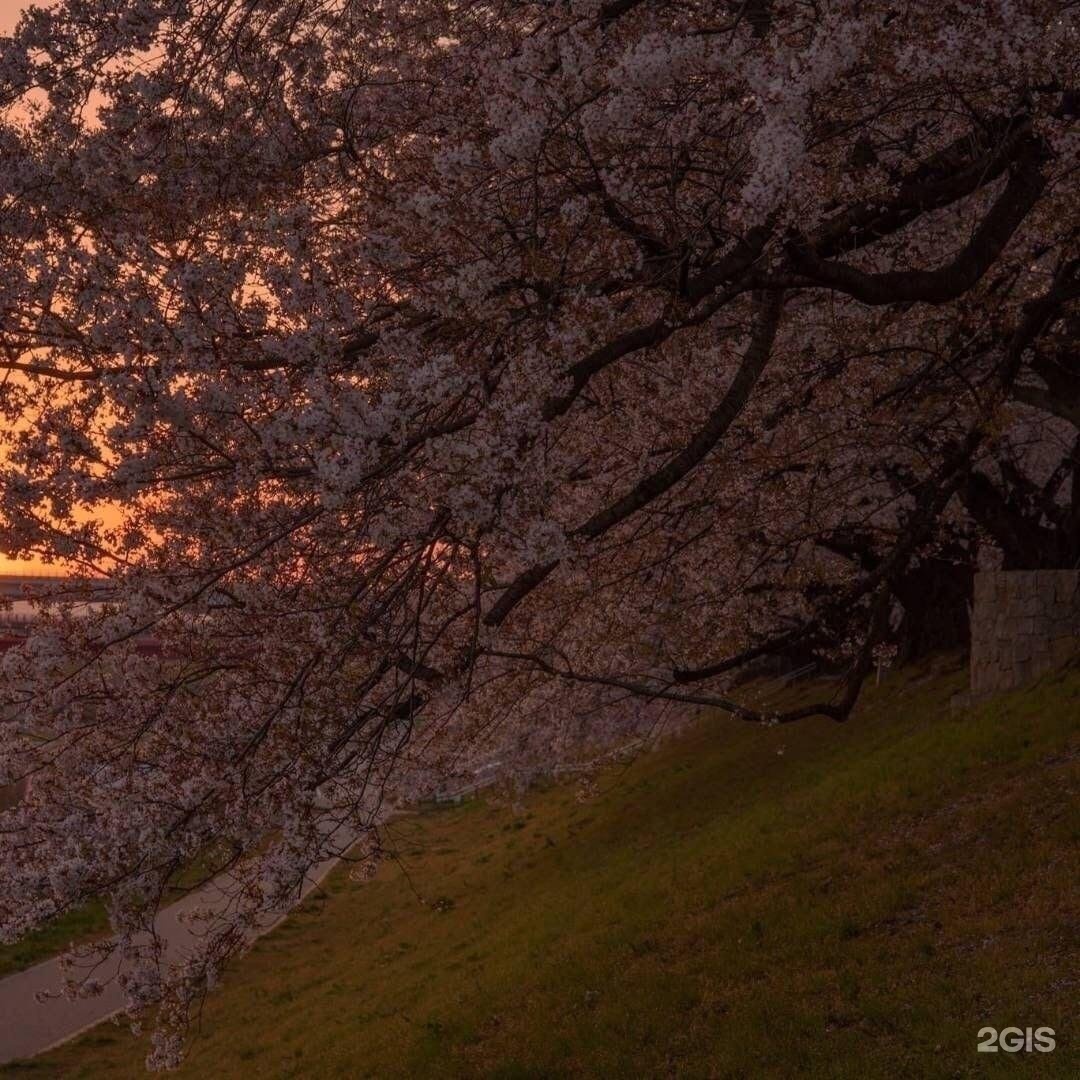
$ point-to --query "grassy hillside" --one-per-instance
(816, 900)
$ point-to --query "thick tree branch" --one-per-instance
(1041, 399)
(730, 663)
(47, 371)
(936, 183)
(613, 9)
(659, 693)
(663, 479)
(708, 435)
(948, 282)
(641, 337)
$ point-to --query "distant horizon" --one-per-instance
(30, 569)
(25, 566)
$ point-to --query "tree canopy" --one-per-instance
(478, 384)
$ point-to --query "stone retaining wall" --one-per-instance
(1024, 623)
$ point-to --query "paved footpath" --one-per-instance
(29, 1027)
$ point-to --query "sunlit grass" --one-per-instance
(813, 900)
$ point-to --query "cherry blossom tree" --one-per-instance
(451, 386)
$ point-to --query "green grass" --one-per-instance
(86, 923)
(78, 925)
(817, 900)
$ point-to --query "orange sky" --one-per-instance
(9, 13)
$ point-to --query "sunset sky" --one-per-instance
(9, 13)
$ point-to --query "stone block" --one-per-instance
(1023, 623)
(1046, 583)
(1064, 650)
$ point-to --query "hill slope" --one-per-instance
(815, 900)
